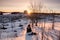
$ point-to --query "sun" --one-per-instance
(27, 11)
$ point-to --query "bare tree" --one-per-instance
(52, 11)
(36, 6)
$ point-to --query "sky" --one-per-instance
(21, 5)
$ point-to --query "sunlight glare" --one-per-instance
(29, 12)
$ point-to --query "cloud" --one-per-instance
(23, 4)
(54, 4)
(52, 1)
(13, 3)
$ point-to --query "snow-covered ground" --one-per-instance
(17, 30)
(45, 28)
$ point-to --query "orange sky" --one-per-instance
(21, 5)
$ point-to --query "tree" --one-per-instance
(53, 20)
(1, 13)
(36, 6)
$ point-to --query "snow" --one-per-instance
(28, 37)
(16, 30)
(9, 34)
